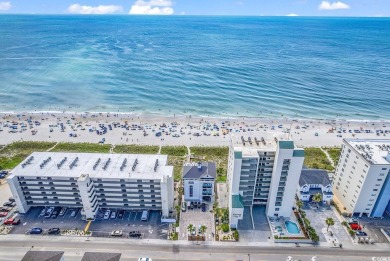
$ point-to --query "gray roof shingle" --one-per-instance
(101, 256)
(314, 176)
(193, 172)
(43, 256)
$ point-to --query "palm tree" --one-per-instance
(299, 204)
(317, 198)
(203, 229)
(190, 227)
(330, 222)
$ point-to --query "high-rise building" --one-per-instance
(263, 170)
(361, 183)
(92, 180)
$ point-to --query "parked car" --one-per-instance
(144, 259)
(63, 211)
(116, 233)
(145, 215)
(3, 213)
(49, 211)
(203, 207)
(183, 206)
(7, 204)
(113, 214)
(107, 214)
(14, 220)
(135, 234)
(11, 199)
(43, 212)
(121, 213)
(55, 213)
(74, 213)
(54, 231)
(361, 234)
(35, 231)
(5, 209)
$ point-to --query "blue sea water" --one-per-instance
(219, 66)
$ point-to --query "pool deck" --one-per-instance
(279, 228)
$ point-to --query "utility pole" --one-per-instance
(249, 257)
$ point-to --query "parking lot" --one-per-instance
(317, 217)
(196, 217)
(131, 221)
(372, 226)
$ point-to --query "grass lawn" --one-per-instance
(316, 158)
(82, 147)
(219, 155)
(136, 149)
(15, 153)
(174, 150)
(334, 153)
(177, 162)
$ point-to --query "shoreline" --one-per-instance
(175, 129)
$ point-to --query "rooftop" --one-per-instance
(314, 176)
(194, 172)
(251, 143)
(58, 164)
(101, 256)
(375, 151)
(43, 256)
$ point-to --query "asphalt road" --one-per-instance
(13, 247)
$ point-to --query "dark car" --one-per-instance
(54, 231)
(35, 231)
(135, 234)
(361, 234)
(121, 212)
(7, 204)
(55, 213)
(203, 207)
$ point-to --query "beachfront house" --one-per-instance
(312, 182)
(199, 181)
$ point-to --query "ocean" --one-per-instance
(295, 67)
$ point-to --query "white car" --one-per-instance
(107, 214)
(113, 214)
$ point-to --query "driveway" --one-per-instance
(259, 230)
(196, 217)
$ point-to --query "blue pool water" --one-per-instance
(297, 67)
(292, 227)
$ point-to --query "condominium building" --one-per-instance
(361, 183)
(92, 180)
(263, 170)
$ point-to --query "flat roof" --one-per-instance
(375, 151)
(250, 143)
(60, 164)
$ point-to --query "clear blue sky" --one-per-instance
(201, 7)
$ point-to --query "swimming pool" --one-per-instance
(292, 227)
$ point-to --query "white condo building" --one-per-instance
(263, 169)
(92, 180)
(361, 183)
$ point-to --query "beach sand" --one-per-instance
(305, 133)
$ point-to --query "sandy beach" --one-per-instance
(124, 128)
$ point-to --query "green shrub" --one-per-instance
(225, 227)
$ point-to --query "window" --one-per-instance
(276, 209)
(383, 168)
(375, 189)
(377, 185)
(379, 180)
(191, 191)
